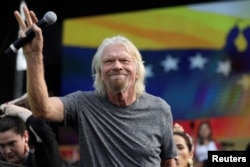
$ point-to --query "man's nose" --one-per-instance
(7, 150)
(117, 65)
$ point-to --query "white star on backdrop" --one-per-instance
(170, 63)
(224, 67)
(149, 71)
(197, 61)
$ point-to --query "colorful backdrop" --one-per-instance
(197, 58)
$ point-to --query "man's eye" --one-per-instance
(107, 61)
(125, 61)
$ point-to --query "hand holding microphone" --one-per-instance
(31, 30)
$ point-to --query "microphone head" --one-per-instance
(50, 17)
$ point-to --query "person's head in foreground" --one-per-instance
(185, 148)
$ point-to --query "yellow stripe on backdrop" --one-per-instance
(161, 28)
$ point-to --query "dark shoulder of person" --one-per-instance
(8, 164)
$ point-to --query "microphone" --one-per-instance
(48, 19)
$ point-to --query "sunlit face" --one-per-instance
(183, 154)
(205, 131)
(118, 69)
(12, 146)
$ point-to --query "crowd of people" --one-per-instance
(118, 123)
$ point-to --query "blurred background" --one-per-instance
(196, 54)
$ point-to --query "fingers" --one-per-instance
(27, 16)
(20, 20)
(30, 18)
(13, 110)
(33, 16)
(6, 107)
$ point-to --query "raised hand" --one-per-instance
(14, 110)
(36, 44)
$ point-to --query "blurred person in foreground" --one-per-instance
(118, 124)
(185, 147)
(26, 140)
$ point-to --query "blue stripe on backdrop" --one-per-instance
(196, 83)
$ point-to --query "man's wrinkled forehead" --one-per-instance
(117, 49)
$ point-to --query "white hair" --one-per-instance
(97, 64)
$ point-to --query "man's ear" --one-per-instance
(26, 136)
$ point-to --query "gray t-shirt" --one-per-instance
(114, 136)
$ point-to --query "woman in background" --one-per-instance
(204, 143)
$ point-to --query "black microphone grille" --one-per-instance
(50, 17)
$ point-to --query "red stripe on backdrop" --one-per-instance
(224, 127)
